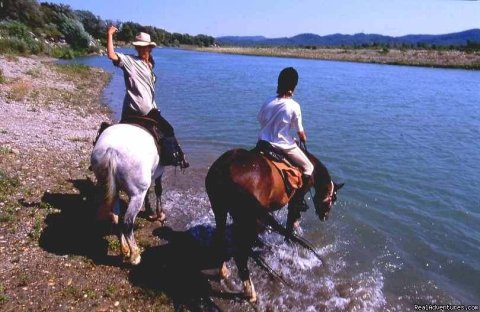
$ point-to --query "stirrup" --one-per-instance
(184, 164)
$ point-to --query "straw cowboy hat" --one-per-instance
(143, 40)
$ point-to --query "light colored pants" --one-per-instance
(300, 159)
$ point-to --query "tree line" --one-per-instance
(30, 25)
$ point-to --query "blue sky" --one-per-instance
(280, 18)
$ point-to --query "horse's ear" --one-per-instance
(338, 186)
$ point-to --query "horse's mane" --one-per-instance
(319, 167)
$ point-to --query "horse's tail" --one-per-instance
(110, 185)
(105, 170)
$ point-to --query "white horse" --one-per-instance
(125, 158)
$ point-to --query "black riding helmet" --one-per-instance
(287, 80)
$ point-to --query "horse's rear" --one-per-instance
(125, 158)
(238, 173)
(243, 184)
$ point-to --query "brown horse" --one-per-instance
(249, 187)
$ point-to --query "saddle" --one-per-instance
(148, 123)
(291, 174)
(144, 122)
(167, 146)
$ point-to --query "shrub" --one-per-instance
(75, 34)
(3, 296)
(7, 184)
(61, 52)
(74, 70)
(19, 90)
(14, 29)
(35, 47)
(13, 46)
(16, 45)
(2, 77)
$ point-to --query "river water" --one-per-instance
(405, 140)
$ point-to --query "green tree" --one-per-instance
(25, 11)
(128, 31)
(75, 34)
(94, 25)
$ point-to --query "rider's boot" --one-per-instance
(172, 154)
(298, 200)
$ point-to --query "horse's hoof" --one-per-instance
(125, 252)
(296, 225)
(135, 260)
(161, 217)
(249, 291)
(224, 272)
(114, 218)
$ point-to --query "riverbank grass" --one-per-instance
(423, 58)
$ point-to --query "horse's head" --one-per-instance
(325, 189)
(324, 203)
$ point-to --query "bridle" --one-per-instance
(329, 198)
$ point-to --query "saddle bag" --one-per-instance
(171, 153)
(291, 175)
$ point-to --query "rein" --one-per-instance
(329, 198)
(306, 150)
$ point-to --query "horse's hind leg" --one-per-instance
(245, 235)
(293, 219)
(108, 202)
(134, 207)
(158, 214)
(219, 238)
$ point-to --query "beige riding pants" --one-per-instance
(300, 159)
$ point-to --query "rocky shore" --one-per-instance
(53, 257)
(427, 58)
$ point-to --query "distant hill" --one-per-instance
(336, 40)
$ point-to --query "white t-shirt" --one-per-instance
(277, 117)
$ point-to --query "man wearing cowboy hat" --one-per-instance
(139, 99)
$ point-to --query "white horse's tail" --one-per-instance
(106, 173)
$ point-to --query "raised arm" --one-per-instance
(110, 51)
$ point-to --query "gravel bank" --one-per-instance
(53, 256)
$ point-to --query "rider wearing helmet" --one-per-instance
(278, 116)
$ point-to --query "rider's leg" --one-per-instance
(299, 158)
(171, 151)
(164, 126)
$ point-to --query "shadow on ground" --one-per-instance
(73, 231)
(176, 268)
(182, 268)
